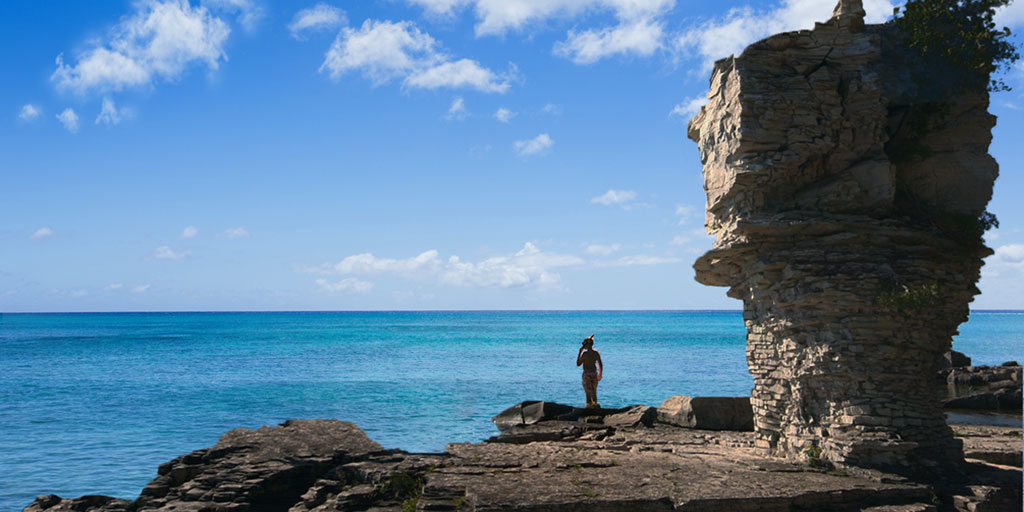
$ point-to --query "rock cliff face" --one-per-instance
(845, 202)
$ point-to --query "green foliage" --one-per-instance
(813, 455)
(409, 505)
(909, 298)
(459, 501)
(959, 38)
(401, 486)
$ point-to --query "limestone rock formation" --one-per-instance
(328, 466)
(845, 204)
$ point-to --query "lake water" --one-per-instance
(93, 403)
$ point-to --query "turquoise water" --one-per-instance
(93, 403)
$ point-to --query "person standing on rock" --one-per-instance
(593, 369)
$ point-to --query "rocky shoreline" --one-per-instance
(552, 457)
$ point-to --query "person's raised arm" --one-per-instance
(579, 357)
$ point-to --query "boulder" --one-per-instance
(708, 413)
(980, 401)
(954, 359)
(533, 411)
(635, 416)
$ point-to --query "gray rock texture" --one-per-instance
(708, 413)
(326, 466)
(833, 182)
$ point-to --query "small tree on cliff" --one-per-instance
(960, 37)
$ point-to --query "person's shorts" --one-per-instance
(589, 381)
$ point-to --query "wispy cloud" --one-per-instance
(530, 267)
(613, 197)
(317, 18)
(638, 29)
(349, 285)
(457, 111)
(69, 119)
(239, 232)
(109, 113)
(384, 50)
(248, 12)
(166, 253)
(684, 212)
(142, 288)
(504, 115)
(710, 40)
(602, 250)
(41, 233)
(689, 107)
(637, 260)
(113, 287)
(534, 146)
(28, 113)
(189, 232)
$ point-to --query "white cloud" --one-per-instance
(109, 114)
(347, 285)
(1010, 256)
(239, 232)
(41, 233)
(613, 197)
(457, 110)
(504, 115)
(158, 41)
(189, 232)
(551, 109)
(113, 287)
(602, 250)
(638, 29)
(711, 40)
(249, 14)
(69, 119)
(166, 253)
(533, 146)
(679, 240)
(636, 260)
(142, 288)
(383, 50)
(640, 37)
(684, 212)
(319, 17)
(689, 107)
(530, 267)
(28, 113)
(1011, 15)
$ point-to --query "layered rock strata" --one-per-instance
(599, 462)
(845, 205)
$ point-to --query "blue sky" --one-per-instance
(386, 154)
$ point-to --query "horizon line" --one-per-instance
(213, 311)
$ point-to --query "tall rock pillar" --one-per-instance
(835, 197)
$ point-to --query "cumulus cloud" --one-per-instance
(384, 50)
(612, 197)
(1010, 15)
(1006, 257)
(319, 17)
(28, 113)
(157, 42)
(638, 29)
(457, 111)
(69, 119)
(347, 285)
(528, 268)
(109, 113)
(504, 115)
(533, 146)
(189, 232)
(41, 233)
(641, 37)
(689, 107)
(166, 253)
(711, 40)
(239, 232)
(602, 250)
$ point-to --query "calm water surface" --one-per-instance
(93, 403)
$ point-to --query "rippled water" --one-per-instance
(93, 403)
